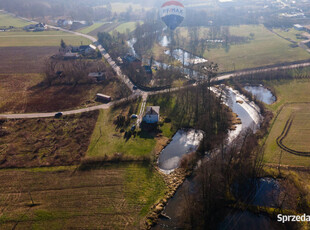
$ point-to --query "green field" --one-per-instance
(293, 96)
(122, 28)
(7, 20)
(106, 140)
(266, 49)
(115, 197)
(89, 29)
(46, 38)
(290, 34)
(297, 138)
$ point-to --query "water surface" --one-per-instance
(261, 93)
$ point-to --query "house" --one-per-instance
(97, 76)
(90, 49)
(129, 59)
(298, 27)
(151, 115)
(35, 27)
(64, 22)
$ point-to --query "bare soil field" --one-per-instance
(45, 142)
(61, 198)
(24, 59)
(25, 94)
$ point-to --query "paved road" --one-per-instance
(242, 73)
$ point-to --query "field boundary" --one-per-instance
(284, 134)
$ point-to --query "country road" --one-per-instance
(130, 85)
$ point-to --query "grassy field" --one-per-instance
(45, 142)
(294, 96)
(297, 138)
(46, 38)
(89, 29)
(266, 49)
(23, 93)
(115, 197)
(107, 27)
(107, 140)
(290, 34)
(25, 59)
(122, 28)
(7, 20)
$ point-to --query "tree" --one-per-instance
(63, 44)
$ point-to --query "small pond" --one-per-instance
(186, 57)
(263, 192)
(261, 93)
(183, 142)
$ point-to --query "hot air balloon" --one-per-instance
(172, 13)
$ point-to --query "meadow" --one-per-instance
(112, 197)
(8, 20)
(25, 60)
(45, 38)
(293, 99)
(45, 142)
(266, 49)
(25, 93)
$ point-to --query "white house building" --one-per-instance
(151, 115)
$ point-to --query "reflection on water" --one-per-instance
(183, 142)
(186, 57)
(247, 112)
(261, 93)
(244, 220)
(263, 192)
(165, 41)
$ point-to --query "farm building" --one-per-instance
(35, 27)
(151, 115)
(97, 76)
(103, 98)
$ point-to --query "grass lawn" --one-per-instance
(295, 92)
(45, 38)
(266, 49)
(7, 20)
(106, 140)
(115, 197)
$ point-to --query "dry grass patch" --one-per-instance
(115, 197)
(45, 142)
(25, 94)
(24, 59)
